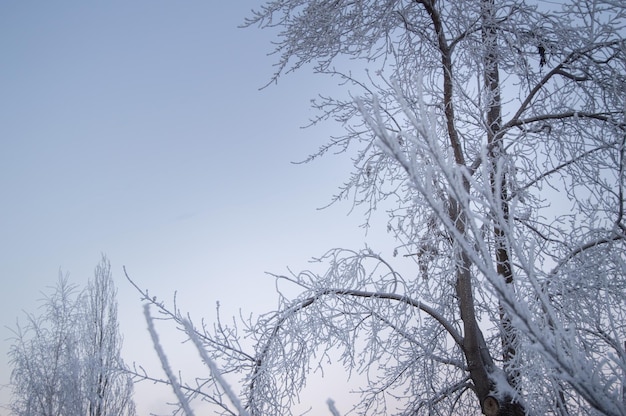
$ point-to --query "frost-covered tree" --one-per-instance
(107, 388)
(45, 371)
(66, 359)
(493, 133)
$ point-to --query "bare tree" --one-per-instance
(493, 132)
(66, 360)
(107, 387)
(45, 370)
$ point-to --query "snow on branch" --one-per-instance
(184, 403)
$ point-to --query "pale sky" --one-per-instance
(137, 129)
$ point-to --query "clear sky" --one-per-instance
(137, 129)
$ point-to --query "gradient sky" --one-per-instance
(137, 129)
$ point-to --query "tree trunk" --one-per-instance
(497, 179)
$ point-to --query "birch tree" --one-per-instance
(493, 133)
(66, 360)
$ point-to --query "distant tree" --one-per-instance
(108, 389)
(494, 134)
(66, 360)
(45, 371)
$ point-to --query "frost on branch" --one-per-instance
(67, 358)
(492, 132)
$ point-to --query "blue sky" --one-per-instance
(137, 129)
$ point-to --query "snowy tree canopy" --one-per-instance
(67, 358)
(493, 133)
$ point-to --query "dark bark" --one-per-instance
(498, 179)
(479, 361)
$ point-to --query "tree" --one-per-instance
(493, 132)
(44, 374)
(66, 361)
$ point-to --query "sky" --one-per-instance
(139, 130)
